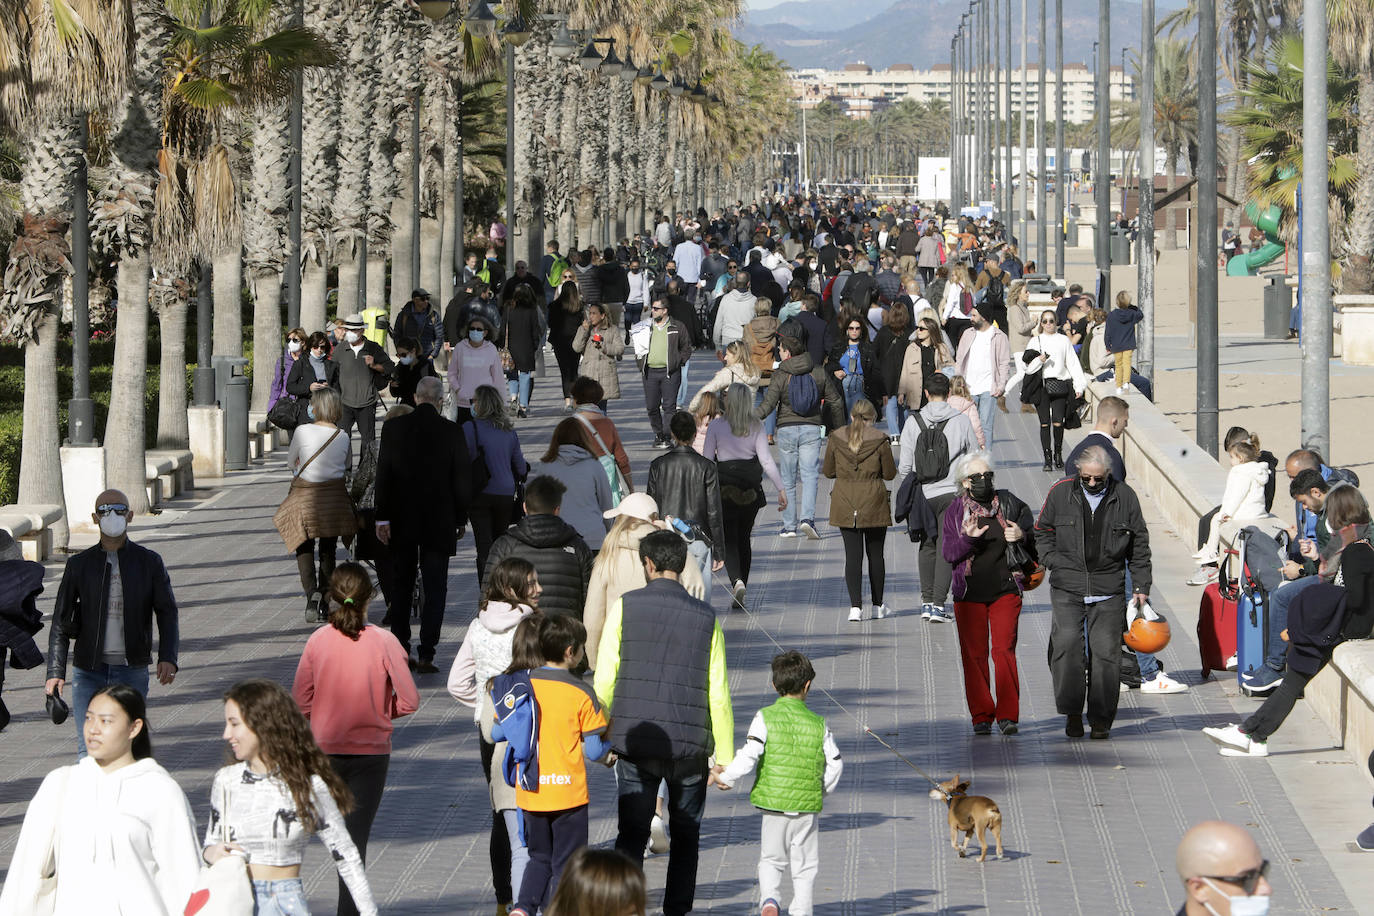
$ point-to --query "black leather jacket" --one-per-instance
(81, 604)
(685, 486)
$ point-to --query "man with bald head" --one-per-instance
(108, 599)
(1223, 872)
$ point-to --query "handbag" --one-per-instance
(1057, 387)
(223, 889)
(507, 361)
(286, 413)
(619, 489)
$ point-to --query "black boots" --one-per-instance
(1059, 455)
(1049, 462)
(305, 563)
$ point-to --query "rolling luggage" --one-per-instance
(1252, 621)
(1216, 621)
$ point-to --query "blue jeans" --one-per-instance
(521, 386)
(700, 554)
(799, 453)
(684, 395)
(279, 898)
(895, 414)
(987, 413)
(770, 422)
(853, 390)
(85, 683)
(1276, 652)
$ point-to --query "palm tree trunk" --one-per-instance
(1358, 277)
(228, 285)
(432, 250)
(314, 295)
(267, 323)
(40, 463)
(376, 279)
(173, 430)
(347, 262)
(127, 421)
(402, 248)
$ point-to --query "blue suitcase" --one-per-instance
(1252, 625)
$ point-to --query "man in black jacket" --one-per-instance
(364, 368)
(423, 477)
(685, 486)
(108, 598)
(554, 547)
(1089, 528)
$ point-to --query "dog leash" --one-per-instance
(758, 621)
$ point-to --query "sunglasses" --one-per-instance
(1246, 880)
(855, 327)
(1092, 478)
(108, 508)
(1048, 322)
(982, 475)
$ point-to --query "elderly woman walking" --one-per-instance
(979, 527)
(317, 509)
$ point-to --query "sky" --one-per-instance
(762, 4)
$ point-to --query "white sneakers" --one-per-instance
(880, 611)
(1163, 684)
(856, 614)
(1205, 575)
(1236, 743)
(658, 836)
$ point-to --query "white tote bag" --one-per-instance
(223, 888)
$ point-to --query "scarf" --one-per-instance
(318, 366)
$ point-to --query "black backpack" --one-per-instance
(994, 294)
(932, 451)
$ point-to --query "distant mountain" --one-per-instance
(827, 33)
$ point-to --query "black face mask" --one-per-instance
(982, 490)
(1093, 489)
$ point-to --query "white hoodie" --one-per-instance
(485, 653)
(1244, 496)
(126, 843)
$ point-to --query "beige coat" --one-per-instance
(617, 570)
(1020, 326)
(598, 362)
(910, 381)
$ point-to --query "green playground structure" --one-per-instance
(1247, 265)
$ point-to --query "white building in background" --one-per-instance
(862, 91)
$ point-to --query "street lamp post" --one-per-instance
(1316, 248)
(1022, 235)
(1007, 197)
(1101, 182)
(1041, 217)
(1060, 170)
(1145, 262)
(1206, 235)
(81, 409)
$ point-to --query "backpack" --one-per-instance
(556, 271)
(803, 395)
(966, 303)
(517, 712)
(994, 294)
(932, 451)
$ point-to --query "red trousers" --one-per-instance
(976, 621)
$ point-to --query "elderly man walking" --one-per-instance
(109, 596)
(1089, 528)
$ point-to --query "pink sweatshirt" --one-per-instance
(350, 691)
(471, 367)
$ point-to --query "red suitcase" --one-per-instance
(1216, 622)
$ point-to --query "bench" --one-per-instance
(171, 469)
(31, 526)
(1342, 695)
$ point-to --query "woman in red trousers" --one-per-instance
(979, 527)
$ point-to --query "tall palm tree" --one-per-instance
(319, 175)
(1351, 36)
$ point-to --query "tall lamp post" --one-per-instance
(1041, 220)
(1061, 172)
(1316, 249)
(1145, 272)
(1206, 235)
(1101, 184)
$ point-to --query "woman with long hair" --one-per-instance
(1051, 358)
(589, 399)
(280, 790)
(115, 828)
(601, 345)
(509, 596)
(890, 347)
(571, 459)
(599, 882)
(522, 335)
(565, 318)
(739, 368)
(317, 509)
(978, 528)
(737, 443)
(961, 400)
(952, 315)
(492, 511)
(927, 355)
(859, 459)
(351, 682)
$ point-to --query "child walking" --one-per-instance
(1121, 324)
(798, 765)
(1242, 503)
(572, 726)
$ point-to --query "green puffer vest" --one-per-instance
(792, 769)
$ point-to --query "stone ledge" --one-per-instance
(30, 526)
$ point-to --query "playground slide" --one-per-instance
(1246, 265)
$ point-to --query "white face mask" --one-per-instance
(351, 336)
(293, 346)
(405, 360)
(113, 525)
(1241, 905)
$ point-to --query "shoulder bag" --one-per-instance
(319, 451)
(619, 489)
(223, 888)
(507, 361)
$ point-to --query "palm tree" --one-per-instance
(319, 175)
(1351, 36)
(1175, 101)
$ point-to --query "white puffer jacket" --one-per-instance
(485, 653)
(1244, 495)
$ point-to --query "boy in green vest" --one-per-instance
(798, 765)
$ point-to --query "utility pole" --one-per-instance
(1025, 26)
(1060, 171)
(1316, 249)
(1006, 122)
(997, 113)
(954, 123)
(1102, 189)
(1145, 260)
(1206, 233)
(1042, 251)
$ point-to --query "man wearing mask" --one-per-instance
(1223, 872)
(660, 284)
(420, 321)
(364, 368)
(1089, 528)
(662, 346)
(640, 282)
(521, 277)
(109, 596)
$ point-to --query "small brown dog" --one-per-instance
(968, 813)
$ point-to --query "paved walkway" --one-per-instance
(1090, 826)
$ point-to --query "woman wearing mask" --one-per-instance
(927, 354)
(859, 459)
(314, 373)
(317, 508)
(473, 363)
(117, 826)
(292, 354)
(737, 443)
(1050, 356)
(281, 789)
(570, 459)
(565, 318)
(510, 596)
(492, 511)
(522, 335)
(410, 368)
(978, 526)
(600, 345)
(351, 682)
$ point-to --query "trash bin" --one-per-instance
(231, 391)
(1278, 307)
(1121, 247)
(226, 367)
